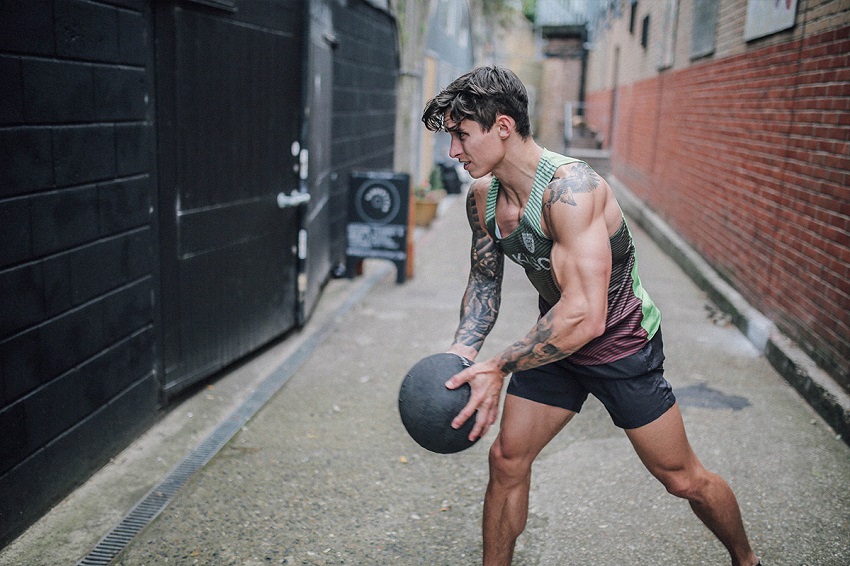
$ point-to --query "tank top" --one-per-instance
(632, 318)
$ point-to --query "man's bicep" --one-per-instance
(475, 201)
(581, 262)
(486, 257)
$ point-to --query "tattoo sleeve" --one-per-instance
(536, 349)
(481, 300)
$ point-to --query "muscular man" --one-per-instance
(598, 333)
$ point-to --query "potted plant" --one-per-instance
(426, 198)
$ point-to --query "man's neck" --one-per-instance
(517, 169)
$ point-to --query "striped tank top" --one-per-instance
(632, 317)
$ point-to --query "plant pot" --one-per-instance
(425, 211)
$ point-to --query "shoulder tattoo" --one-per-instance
(581, 179)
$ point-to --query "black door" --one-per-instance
(228, 121)
(317, 221)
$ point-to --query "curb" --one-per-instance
(822, 393)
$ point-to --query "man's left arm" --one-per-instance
(574, 214)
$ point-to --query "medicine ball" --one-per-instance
(427, 406)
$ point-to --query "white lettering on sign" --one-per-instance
(364, 239)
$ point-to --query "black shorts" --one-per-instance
(632, 389)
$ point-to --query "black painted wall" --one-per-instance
(77, 270)
(365, 68)
(81, 337)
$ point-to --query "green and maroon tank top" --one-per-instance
(632, 318)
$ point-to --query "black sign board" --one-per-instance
(378, 203)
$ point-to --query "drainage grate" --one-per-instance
(152, 504)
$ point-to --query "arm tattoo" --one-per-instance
(581, 179)
(536, 349)
(480, 305)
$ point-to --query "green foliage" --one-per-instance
(436, 179)
(432, 189)
(528, 8)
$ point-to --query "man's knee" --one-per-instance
(687, 484)
(507, 461)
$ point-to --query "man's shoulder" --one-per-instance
(482, 184)
(477, 201)
(479, 189)
(565, 167)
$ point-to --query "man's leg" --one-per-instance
(525, 429)
(663, 447)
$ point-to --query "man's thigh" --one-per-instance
(663, 446)
(528, 426)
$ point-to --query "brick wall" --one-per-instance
(747, 158)
(76, 262)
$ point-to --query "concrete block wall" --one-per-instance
(364, 106)
(77, 259)
(746, 157)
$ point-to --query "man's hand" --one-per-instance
(486, 380)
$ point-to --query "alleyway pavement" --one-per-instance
(324, 472)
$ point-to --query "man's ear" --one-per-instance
(504, 125)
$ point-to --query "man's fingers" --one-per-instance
(462, 417)
(478, 430)
(457, 380)
(484, 399)
(485, 419)
(474, 403)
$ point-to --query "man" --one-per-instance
(598, 330)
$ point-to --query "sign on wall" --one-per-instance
(378, 205)
(765, 17)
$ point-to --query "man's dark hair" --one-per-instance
(480, 95)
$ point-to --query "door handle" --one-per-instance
(295, 199)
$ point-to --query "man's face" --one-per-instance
(477, 149)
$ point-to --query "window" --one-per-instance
(633, 17)
(704, 27)
(644, 33)
(667, 45)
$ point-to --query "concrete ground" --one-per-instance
(324, 473)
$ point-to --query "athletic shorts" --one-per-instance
(633, 389)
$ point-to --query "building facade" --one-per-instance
(731, 120)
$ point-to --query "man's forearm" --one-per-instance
(478, 312)
(547, 342)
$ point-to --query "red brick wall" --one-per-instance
(748, 158)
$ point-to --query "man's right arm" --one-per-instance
(480, 305)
